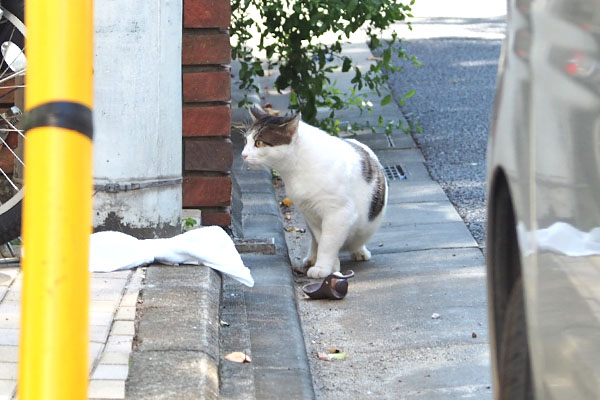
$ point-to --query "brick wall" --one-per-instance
(207, 148)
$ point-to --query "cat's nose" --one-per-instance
(244, 156)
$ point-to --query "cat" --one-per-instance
(338, 185)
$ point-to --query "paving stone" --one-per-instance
(9, 354)
(104, 305)
(8, 275)
(99, 333)
(129, 299)
(101, 318)
(12, 295)
(7, 389)
(9, 337)
(125, 314)
(118, 344)
(123, 328)
(115, 358)
(106, 389)
(111, 372)
(124, 274)
(11, 320)
(8, 370)
(94, 350)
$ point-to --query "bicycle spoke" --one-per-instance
(9, 180)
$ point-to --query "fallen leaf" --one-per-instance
(238, 357)
(290, 229)
(332, 354)
(286, 202)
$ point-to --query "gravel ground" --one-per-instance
(453, 105)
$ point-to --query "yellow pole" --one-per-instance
(57, 204)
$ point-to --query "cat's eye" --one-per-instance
(259, 143)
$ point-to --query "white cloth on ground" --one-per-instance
(209, 246)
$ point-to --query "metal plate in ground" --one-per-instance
(394, 172)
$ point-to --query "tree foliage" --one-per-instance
(303, 39)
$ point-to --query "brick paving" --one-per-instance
(112, 315)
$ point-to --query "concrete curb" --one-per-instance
(176, 351)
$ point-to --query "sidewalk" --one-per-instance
(413, 323)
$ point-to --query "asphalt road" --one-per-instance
(459, 48)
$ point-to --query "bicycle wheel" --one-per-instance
(12, 139)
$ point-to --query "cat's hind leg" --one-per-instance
(362, 254)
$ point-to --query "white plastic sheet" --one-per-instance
(209, 246)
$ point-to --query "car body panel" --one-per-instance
(545, 138)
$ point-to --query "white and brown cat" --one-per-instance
(338, 184)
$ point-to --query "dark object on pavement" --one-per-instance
(334, 287)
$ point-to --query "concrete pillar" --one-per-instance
(137, 117)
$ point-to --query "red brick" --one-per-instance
(206, 121)
(208, 155)
(206, 191)
(199, 48)
(206, 86)
(206, 14)
(220, 218)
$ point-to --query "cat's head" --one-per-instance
(269, 138)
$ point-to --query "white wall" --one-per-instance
(137, 114)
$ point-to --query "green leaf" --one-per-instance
(347, 64)
(386, 100)
(409, 94)
(387, 56)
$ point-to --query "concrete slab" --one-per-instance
(269, 270)
(191, 375)
(406, 191)
(376, 141)
(269, 381)
(416, 171)
(399, 156)
(420, 213)
(420, 237)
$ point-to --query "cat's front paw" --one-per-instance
(319, 272)
(361, 255)
(309, 261)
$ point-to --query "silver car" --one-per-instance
(543, 241)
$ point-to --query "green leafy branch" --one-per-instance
(303, 39)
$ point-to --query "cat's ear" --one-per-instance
(257, 113)
(292, 126)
